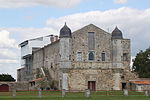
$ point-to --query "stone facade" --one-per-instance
(87, 58)
(16, 85)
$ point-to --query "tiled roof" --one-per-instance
(38, 79)
(140, 81)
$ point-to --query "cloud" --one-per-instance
(133, 23)
(30, 33)
(7, 54)
(5, 41)
(30, 3)
(10, 61)
(120, 1)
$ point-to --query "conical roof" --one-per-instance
(65, 32)
(117, 34)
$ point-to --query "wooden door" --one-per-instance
(92, 85)
(4, 88)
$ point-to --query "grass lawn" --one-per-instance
(56, 95)
(78, 98)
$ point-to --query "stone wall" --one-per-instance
(126, 50)
(51, 59)
(106, 79)
(38, 58)
(60, 58)
(102, 43)
(21, 74)
(140, 87)
(47, 57)
(17, 85)
(78, 79)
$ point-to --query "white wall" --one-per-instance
(36, 43)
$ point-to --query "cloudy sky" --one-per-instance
(25, 19)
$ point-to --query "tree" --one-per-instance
(7, 78)
(141, 64)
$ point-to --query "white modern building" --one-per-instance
(27, 48)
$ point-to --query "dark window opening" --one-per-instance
(122, 77)
(124, 86)
(51, 65)
(69, 57)
(91, 55)
(103, 56)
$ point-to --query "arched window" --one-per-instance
(91, 55)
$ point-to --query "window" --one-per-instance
(51, 65)
(79, 56)
(91, 41)
(91, 55)
(69, 57)
(125, 56)
(103, 56)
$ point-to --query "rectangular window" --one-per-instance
(91, 41)
(103, 56)
(125, 56)
(79, 56)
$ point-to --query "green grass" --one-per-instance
(77, 98)
(56, 95)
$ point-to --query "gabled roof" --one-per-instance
(92, 25)
(38, 79)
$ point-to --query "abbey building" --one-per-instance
(88, 58)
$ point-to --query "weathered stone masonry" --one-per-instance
(89, 58)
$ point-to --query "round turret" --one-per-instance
(65, 31)
(117, 34)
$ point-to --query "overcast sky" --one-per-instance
(25, 19)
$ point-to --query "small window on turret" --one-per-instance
(103, 55)
(79, 56)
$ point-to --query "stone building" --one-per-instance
(9, 86)
(140, 84)
(89, 58)
(27, 48)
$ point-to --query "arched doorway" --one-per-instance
(4, 88)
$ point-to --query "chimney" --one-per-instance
(51, 38)
(56, 37)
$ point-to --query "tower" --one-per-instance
(117, 48)
(65, 55)
(117, 52)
